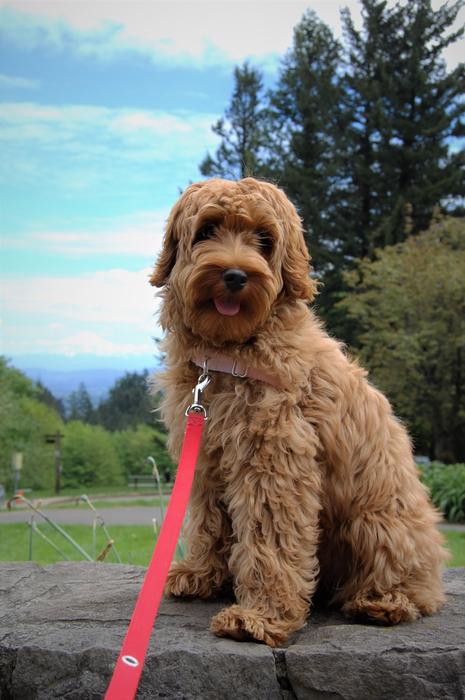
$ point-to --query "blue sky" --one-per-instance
(106, 112)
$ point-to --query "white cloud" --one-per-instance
(176, 32)
(106, 313)
(158, 123)
(111, 296)
(138, 234)
(82, 147)
(90, 343)
(49, 124)
(21, 342)
(79, 243)
(15, 81)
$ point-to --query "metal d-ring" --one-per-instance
(196, 408)
(236, 374)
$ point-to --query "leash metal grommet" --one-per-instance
(130, 661)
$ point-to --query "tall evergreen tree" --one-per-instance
(367, 63)
(305, 122)
(406, 111)
(241, 129)
(425, 118)
(79, 405)
(45, 396)
(307, 126)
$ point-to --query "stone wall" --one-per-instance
(61, 628)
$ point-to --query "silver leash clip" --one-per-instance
(202, 383)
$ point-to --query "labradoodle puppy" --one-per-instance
(305, 477)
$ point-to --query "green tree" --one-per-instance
(79, 405)
(13, 380)
(134, 445)
(241, 129)
(305, 123)
(406, 120)
(89, 456)
(425, 155)
(24, 422)
(39, 457)
(45, 396)
(368, 55)
(129, 403)
(410, 305)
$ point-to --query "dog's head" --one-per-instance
(230, 251)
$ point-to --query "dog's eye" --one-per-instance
(265, 241)
(205, 232)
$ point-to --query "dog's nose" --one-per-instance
(234, 279)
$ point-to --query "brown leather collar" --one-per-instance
(223, 363)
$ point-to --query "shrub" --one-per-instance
(446, 484)
(89, 457)
(134, 445)
(24, 422)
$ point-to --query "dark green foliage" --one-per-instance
(134, 445)
(406, 114)
(307, 123)
(24, 422)
(129, 403)
(446, 484)
(367, 57)
(45, 396)
(241, 130)
(305, 120)
(409, 304)
(89, 456)
(79, 406)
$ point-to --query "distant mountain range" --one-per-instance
(61, 383)
(62, 375)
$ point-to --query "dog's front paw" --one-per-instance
(184, 581)
(388, 609)
(243, 625)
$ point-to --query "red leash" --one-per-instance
(128, 669)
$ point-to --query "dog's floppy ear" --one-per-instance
(296, 259)
(296, 267)
(167, 257)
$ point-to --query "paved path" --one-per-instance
(139, 515)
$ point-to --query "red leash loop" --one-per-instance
(128, 669)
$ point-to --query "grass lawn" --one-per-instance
(95, 491)
(98, 500)
(456, 544)
(110, 503)
(134, 544)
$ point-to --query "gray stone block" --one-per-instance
(61, 628)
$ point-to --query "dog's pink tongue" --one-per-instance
(227, 308)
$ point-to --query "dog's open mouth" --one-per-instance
(227, 307)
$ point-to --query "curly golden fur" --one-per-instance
(309, 485)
